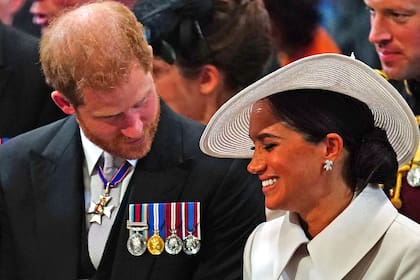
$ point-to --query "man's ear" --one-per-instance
(61, 101)
(150, 48)
(150, 51)
(334, 146)
(210, 79)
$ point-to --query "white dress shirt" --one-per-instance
(93, 189)
(91, 179)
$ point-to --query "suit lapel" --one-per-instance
(58, 188)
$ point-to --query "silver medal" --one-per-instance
(413, 177)
(191, 245)
(173, 244)
(136, 244)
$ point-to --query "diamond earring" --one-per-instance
(328, 165)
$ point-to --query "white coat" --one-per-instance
(368, 240)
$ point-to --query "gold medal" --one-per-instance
(155, 244)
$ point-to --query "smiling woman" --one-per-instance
(326, 131)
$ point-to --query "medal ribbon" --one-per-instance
(3, 140)
(191, 219)
(144, 214)
(118, 176)
(156, 218)
(172, 214)
(134, 212)
(138, 213)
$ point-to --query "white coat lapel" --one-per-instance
(291, 236)
(340, 246)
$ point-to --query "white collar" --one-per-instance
(93, 153)
(345, 241)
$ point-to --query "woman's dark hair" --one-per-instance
(233, 35)
(316, 112)
(296, 21)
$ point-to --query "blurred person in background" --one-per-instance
(25, 101)
(44, 11)
(395, 33)
(8, 8)
(23, 20)
(348, 23)
(206, 50)
(297, 31)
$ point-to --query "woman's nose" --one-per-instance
(256, 165)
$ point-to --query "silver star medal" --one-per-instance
(99, 209)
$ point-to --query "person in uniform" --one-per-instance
(395, 27)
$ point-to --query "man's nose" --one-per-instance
(133, 126)
(379, 30)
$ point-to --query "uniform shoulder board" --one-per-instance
(383, 74)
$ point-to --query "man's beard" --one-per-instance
(117, 146)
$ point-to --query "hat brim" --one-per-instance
(227, 133)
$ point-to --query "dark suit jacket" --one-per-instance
(25, 101)
(42, 206)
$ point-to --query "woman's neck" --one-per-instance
(326, 210)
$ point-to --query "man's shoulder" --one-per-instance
(39, 137)
(398, 84)
(178, 130)
(191, 132)
(186, 132)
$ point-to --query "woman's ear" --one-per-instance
(61, 101)
(334, 146)
(210, 79)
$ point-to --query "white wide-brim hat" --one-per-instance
(227, 133)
